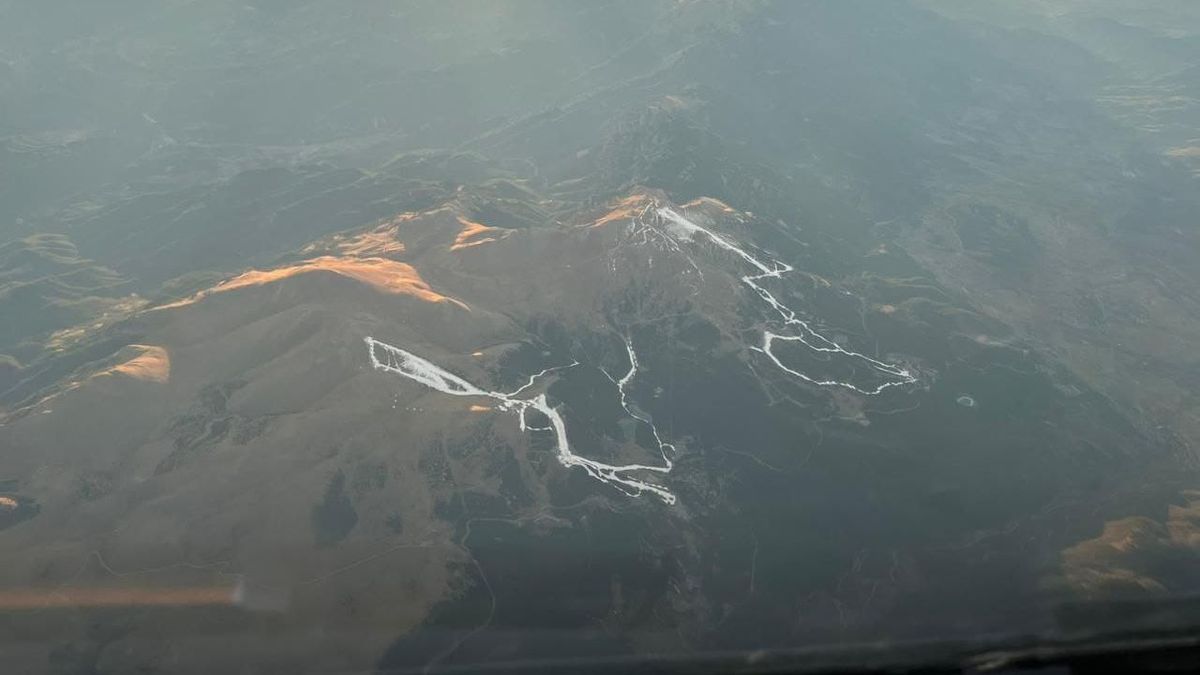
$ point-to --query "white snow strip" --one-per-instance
(621, 385)
(390, 359)
(807, 336)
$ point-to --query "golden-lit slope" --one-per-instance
(474, 234)
(1139, 554)
(623, 210)
(382, 274)
(149, 364)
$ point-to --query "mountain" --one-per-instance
(394, 336)
(651, 339)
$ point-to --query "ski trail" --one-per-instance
(624, 382)
(807, 335)
(391, 359)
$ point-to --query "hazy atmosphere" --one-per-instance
(407, 336)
